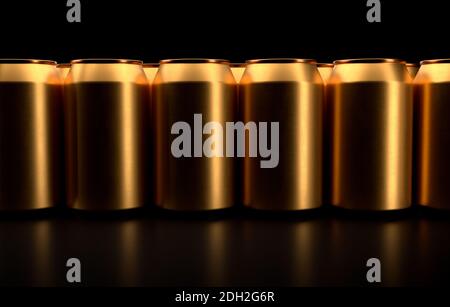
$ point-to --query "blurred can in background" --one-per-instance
(238, 70)
(412, 68)
(150, 70)
(63, 70)
(325, 70)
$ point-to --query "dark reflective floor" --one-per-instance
(238, 248)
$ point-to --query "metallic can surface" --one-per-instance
(325, 70)
(238, 70)
(431, 91)
(150, 70)
(412, 69)
(290, 92)
(107, 134)
(371, 109)
(31, 139)
(63, 70)
(193, 92)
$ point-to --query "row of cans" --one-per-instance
(97, 134)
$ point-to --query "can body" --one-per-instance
(31, 138)
(370, 105)
(288, 92)
(150, 71)
(193, 93)
(238, 70)
(431, 90)
(325, 70)
(107, 135)
(412, 69)
(63, 70)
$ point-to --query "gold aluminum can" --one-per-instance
(238, 70)
(412, 69)
(371, 111)
(31, 139)
(150, 70)
(325, 70)
(107, 134)
(432, 92)
(290, 92)
(185, 90)
(63, 70)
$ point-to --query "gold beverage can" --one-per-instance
(431, 95)
(150, 70)
(325, 70)
(63, 69)
(287, 95)
(193, 99)
(107, 135)
(412, 68)
(371, 130)
(31, 138)
(238, 70)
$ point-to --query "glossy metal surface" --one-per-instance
(238, 70)
(432, 92)
(150, 70)
(371, 108)
(182, 88)
(107, 132)
(63, 69)
(31, 144)
(325, 70)
(288, 91)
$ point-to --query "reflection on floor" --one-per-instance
(231, 249)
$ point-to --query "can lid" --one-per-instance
(435, 61)
(26, 61)
(193, 61)
(280, 60)
(368, 61)
(237, 64)
(412, 65)
(145, 65)
(106, 61)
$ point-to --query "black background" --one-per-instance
(234, 30)
(240, 248)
